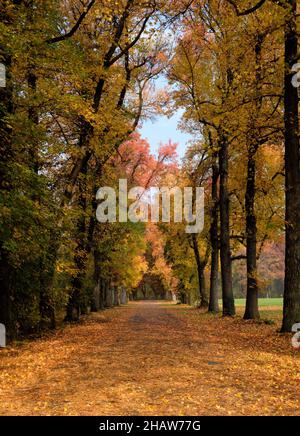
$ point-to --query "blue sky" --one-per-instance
(162, 129)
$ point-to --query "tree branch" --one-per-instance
(74, 28)
(247, 11)
(240, 257)
(129, 46)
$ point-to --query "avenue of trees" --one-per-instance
(80, 81)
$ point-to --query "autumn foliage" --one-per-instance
(81, 80)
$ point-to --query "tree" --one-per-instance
(291, 310)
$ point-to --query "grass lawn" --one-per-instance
(263, 302)
(270, 308)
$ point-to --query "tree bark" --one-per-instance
(291, 310)
(200, 271)
(124, 296)
(214, 241)
(46, 306)
(102, 295)
(96, 298)
(6, 309)
(225, 251)
(109, 295)
(81, 255)
(116, 296)
(251, 311)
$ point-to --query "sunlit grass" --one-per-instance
(262, 302)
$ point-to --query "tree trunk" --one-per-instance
(291, 310)
(204, 301)
(109, 295)
(116, 296)
(226, 265)
(46, 307)
(200, 271)
(214, 240)
(6, 309)
(34, 121)
(81, 255)
(251, 311)
(123, 296)
(95, 303)
(33, 114)
(101, 295)
(144, 292)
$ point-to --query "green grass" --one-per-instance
(263, 302)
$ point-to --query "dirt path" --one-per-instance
(153, 359)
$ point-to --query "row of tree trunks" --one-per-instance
(80, 171)
(8, 157)
(220, 243)
(105, 294)
(291, 311)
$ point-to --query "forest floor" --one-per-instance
(151, 358)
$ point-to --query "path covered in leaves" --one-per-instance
(152, 358)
